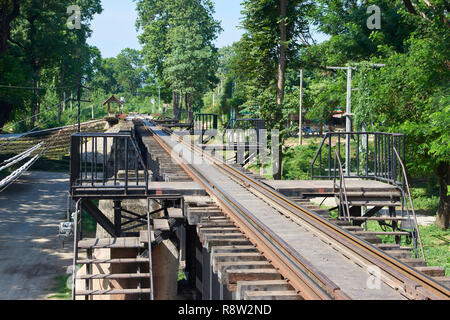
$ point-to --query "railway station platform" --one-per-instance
(324, 188)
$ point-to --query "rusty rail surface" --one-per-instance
(301, 275)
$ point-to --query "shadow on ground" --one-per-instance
(31, 254)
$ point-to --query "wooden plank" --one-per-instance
(114, 276)
(272, 295)
(445, 281)
(432, 271)
(112, 261)
(375, 233)
(161, 224)
(143, 236)
(116, 243)
(380, 218)
(175, 213)
(112, 292)
(414, 262)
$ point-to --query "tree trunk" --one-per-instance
(34, 105)
(175, 103)
(62, 97)
(442, 219)
(188, 107)
(282, 60)
(5, 112)
(6, 18)
(38, 104)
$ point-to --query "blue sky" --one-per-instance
(114, 29)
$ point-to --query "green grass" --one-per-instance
(425, 198)
(61, 289)
(181, 276)
(436, 244)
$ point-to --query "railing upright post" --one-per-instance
(74, 159)
(126, 165)
(375, 162)
(367, 154)
(85, 159)
(357, 155)
(115, 161)
(329, 155)
(92, 161)
(105, 163)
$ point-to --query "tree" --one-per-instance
(41, 48)
(409, 95)
(9, 10)
(275, 31)
(178, 45)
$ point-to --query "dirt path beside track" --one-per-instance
(31, 254)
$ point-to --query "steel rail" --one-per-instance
(413, 283)
(410, 279)
(282, 256)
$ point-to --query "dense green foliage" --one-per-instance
(178, 46)
(256, 77)
(41, 53)
(409, 95)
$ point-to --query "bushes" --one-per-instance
(297, 162)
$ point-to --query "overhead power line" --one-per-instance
(35, 88)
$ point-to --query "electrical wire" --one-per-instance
(34, 88)
(5, 183)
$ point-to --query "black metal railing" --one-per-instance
(367, 155)
(246, 124)
(107, 161)
(415, 232)
(245, 131)
(205, 122)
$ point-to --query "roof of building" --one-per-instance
(112, 99)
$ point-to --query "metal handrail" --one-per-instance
(342, 191)
(79, 159)
(382, 167)
(150, 259)
(75, 247)
(406, 183)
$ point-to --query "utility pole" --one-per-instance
(348, 113)
(64, 100)
(71, 101)
(159, 94)
(300, 117)
(79, 102)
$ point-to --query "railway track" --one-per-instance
(59, 148)
(319, 259)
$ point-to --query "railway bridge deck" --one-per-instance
(241, 236)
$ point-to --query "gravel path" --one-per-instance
(31, 254)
